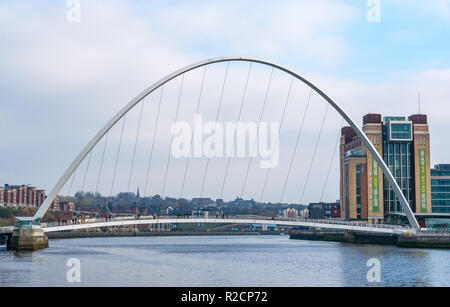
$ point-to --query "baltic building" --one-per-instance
(404, 144)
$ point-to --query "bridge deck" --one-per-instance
(6, 230)
(362, 227)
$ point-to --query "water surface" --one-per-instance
(222, 261)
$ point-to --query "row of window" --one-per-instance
(422, 140)
(375, 139)
(441, 202)
(358, 191)
(439, 173)
(401, 131)
(441, 209)
(440, 196)
(440, 182)
(438, 188)
(397, 148)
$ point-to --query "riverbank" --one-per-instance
(418, 241)
(344, 237)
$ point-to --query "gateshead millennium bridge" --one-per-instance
(28, 231)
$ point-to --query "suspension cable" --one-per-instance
(332, 161)
(171, 141)
(117, 157)
(314, 154)
(254, 143)
(101, 163)
(192, 136)
(86, 172)
(235, 132)
(215, 126)
(296, 146)
(281, 125)
(71, 183)
(153, 140)
(135, 146)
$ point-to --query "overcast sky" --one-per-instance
(61, 81)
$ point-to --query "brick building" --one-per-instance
(62, 206)
(21, 196)
(336, 210)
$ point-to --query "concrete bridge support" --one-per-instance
(28, 235)
(8, 241)
(27, 240)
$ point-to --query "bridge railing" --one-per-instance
(231, 218)
(4, 230)
(434, 233)
(340, 222)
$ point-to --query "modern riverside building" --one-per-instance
(317, 211)
(404, 145)
(440, 188)
(321, 211)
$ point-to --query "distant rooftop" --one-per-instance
(12, 187)
(15, 186)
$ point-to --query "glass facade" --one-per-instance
(438, 224)
(440, 188)
(400, 131)
(398, 157)
(394, 118)
(27, 223)
(356, 153)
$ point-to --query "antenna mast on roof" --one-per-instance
(419, 102)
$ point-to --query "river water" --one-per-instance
(253, 261)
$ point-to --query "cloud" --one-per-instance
(398, 95)
(65, 80)
(440, 8)
(310, 29)
(108, 43)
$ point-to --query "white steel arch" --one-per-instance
(79, 159)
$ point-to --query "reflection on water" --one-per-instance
(222, 261)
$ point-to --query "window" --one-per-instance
(401, 131)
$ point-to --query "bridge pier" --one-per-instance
(27, 236)
(28, 240)
(3, 239)
(8, 241)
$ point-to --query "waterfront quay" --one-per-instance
(422, 239)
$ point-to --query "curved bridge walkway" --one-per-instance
(6, 230)
(322, 224)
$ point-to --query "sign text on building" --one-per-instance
(423, 180)
(376, 185)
